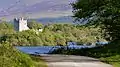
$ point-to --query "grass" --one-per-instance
(113, 60)
(38, 61)
(11, 57)
(109, 53)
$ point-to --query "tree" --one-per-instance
(6, 28)
(35, 25)
(106, 12)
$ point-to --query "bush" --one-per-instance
(10, 57)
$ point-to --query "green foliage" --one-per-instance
(6, 28)
(106, 12)
(34, 25)
(10, 57)
(114, 60)
(53, 34)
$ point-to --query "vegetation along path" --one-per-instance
(72, 61)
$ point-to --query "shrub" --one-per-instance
(11, 57)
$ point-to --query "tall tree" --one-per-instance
(106, 12)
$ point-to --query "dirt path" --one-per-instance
(72, 61)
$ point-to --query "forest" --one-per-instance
(52, 34)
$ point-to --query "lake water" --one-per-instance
(45, 49)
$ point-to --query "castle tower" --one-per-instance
(20, 24)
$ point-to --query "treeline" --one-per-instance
(52, 34)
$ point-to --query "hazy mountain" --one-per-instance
(35, 8)
(64, 19)
(59, 20)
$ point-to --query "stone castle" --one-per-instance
(20, 24)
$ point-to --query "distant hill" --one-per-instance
(35, 8)
(64, 19)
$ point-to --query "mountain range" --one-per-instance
(63, 20)
(35, 8)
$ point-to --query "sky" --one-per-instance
(35, 8)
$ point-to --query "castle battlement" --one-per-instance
(20, 24)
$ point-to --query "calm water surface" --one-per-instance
(45, 49)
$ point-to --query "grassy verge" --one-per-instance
(109, 53)
(113, 60)
(38, 61)
(11, 57)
